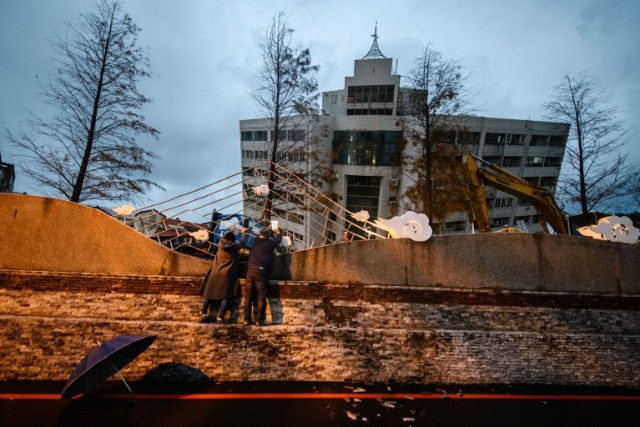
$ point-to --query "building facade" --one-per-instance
(363, 138)
(7, 176)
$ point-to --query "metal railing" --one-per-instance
(308, 216)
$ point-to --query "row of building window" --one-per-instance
(369, 111)
(253, 135)
(504, 138)
(283, 135)
(255, 154)
(290, 216)
(543, 181)
(518, 139)
(491, 138)
(370, 94)
(516, 161)
(291, 156)
(503, 202)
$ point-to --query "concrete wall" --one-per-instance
(45, 234)
(325, 332)
(517, 261)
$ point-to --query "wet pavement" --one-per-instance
(315, 404)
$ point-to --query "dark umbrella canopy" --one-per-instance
(104, 361)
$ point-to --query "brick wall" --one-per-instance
(325, 332)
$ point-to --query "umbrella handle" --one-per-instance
(133, 396)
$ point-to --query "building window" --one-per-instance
(553, 162)
(539, 140)
(295, 135)
(499, 222)
(515, 139)
(258, 154)
(557, 141)
(511, 162)
(363, 193)
(369, 94)
(444, 136)
(296, 156)
(295, 217)
(548, 181)
(535, 161)
(367, 148)
(503, 202)
(533, 180)
(250, 135)
(469, 138)
(494, 138)
(290, 135)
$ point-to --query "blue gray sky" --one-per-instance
(204, 55)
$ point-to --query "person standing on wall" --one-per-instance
(258, 274)
(221, 282)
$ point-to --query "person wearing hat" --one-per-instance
(258, 273)
(221, 282)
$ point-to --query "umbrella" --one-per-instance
(104, 361)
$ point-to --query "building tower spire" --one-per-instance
(374, 52)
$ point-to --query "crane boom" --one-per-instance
(503, 180)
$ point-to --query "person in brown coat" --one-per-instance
(221, 282)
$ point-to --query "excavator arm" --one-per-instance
(498, 178)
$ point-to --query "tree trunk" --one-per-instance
(77, 188)
(427, 161)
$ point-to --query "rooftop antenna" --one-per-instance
(374, 52)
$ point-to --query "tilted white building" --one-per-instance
(359, 135)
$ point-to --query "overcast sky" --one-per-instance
(204, 55)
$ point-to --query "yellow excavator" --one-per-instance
(481, 173)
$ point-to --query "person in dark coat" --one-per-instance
(258, 274)
(221, 282)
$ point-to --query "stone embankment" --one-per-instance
(325, 332)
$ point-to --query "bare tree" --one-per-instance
(596, 170)
(438, 99)
(635, 188)
(287, 91)
(88, 151)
